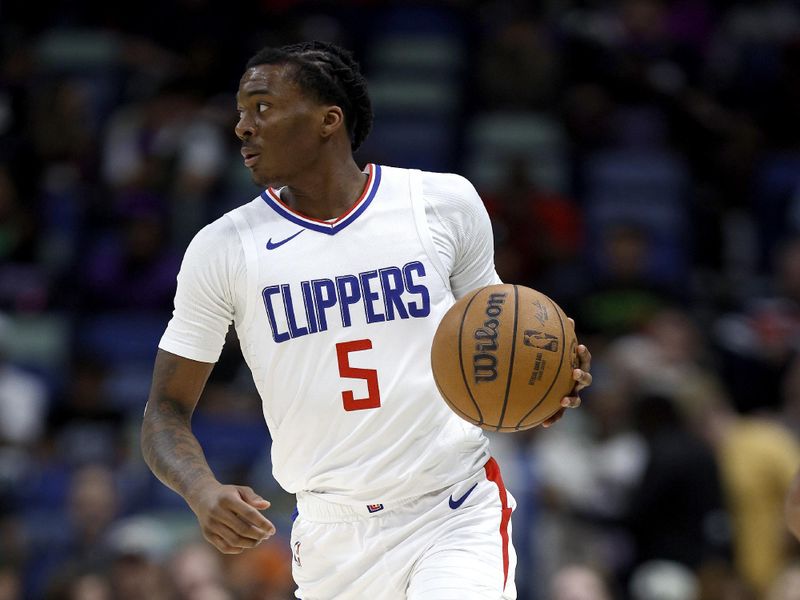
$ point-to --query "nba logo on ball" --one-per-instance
(543, 341)
(488, 362)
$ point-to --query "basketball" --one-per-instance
(503, 357)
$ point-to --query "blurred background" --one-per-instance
(640, 160)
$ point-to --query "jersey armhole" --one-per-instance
(250, 258)
(423, 230)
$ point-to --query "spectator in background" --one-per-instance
(664, 580)
(677, 511)
(757, 459)
(585, 475)
(519, 66)
(133, 267)
(81, 585)
(136, 576)
(17, 222)
(264, 573)
(168, 146)
(23, 402)
(786, 585)
(792, 506)
(22, 284)
(93, 505)
(668, 352)
(578, 582)
(754, 48)
(161, 139)
(624, 295)
(84, 426)
(10, 584)
(790, 397)
(23, 405)
(196, 571)
(13, 549)
(539, 234)
(138, 547)
(759, 342)
(82, 542)
(62, 125)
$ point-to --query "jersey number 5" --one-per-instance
(373, 399)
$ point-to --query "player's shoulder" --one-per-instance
(220, 236)
(450, 184)
(450, 194)
(218, 233)
(435, 182)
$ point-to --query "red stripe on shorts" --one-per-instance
(493, 474)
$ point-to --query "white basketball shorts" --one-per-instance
(452, 544)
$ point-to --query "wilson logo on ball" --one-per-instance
(484, 361)
(502, 355)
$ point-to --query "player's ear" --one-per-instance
(332, 120)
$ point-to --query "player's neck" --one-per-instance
(326, 193)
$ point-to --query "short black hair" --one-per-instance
(330, 73)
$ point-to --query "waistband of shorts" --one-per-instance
(320, 510)
(314, 508)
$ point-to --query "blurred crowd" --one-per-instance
(640, 160)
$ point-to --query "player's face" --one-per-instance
(278, 125)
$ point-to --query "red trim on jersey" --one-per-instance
(276, 196)
(493, 474)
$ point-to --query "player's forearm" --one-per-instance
(170, 448)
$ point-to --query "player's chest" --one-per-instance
(373, 272)
(384, 237)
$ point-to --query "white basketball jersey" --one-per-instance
(336, 322)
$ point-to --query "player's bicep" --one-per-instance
(203, 299)
(461, 231)
(474, 266)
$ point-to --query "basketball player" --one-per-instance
(336, 279)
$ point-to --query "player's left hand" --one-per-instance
(583, 379)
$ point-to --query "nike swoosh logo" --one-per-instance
(272, 246)
(454, 504)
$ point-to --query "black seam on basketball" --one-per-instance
(560, 364)
(461, 357)
(509, 429)
(511, 359)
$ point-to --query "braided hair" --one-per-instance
(332, 76)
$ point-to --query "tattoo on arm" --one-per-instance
(169, 447)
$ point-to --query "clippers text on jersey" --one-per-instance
(383, 294)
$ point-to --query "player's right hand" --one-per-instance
(229, 517)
